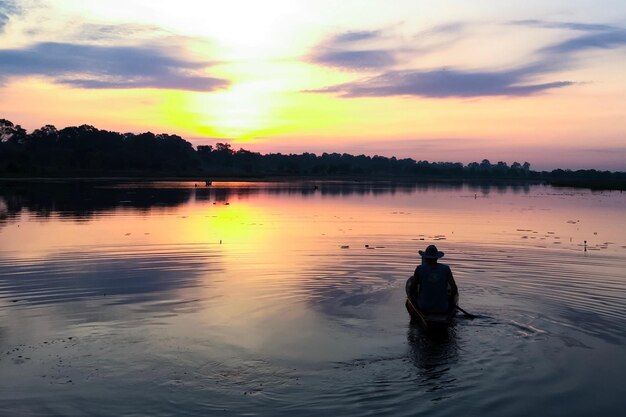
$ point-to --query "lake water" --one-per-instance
(159, 299)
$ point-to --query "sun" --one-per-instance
(236, 113)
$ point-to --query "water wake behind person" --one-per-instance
(432, 293)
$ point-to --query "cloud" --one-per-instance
(174, 82)
(356, 36)
(97, 66)
(441, 83)
(587, 27)
(7, 8)
(446, 28)
(4, 18)
(367, 59)
(594, 40)
(456, 82)
(353, 51)
(92, 32)
(596, 36)
(368, 50)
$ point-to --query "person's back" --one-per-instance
(432, 286)
(433, 295)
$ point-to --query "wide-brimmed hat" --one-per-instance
(431, 252)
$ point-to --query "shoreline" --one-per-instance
(561, 183)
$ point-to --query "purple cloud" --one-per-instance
(357, 60)
(442, 83)
(96, 66)
(356, 36)
(445, 82)
(592, 40)
(350, 50)
(7, 8)
(586, 27)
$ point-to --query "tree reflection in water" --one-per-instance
(81, 200)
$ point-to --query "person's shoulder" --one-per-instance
(443, 266)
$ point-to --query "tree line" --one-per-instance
(88, 151)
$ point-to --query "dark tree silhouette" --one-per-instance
(88, 151)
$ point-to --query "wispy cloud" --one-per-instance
(440, 83)
(593, 40)
(356, 36)
(4, 18)
(457, 82)
(369, 50)
(7, 8)
(356, 60)
(587, 27)
(92, 32)
(354, 51)
(98, 66)
(445, 28)
(594, 36)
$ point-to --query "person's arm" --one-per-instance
(411, 284)
(454, 289)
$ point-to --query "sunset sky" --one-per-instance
(538, 81)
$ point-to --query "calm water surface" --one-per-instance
(287, 299)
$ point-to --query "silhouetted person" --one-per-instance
(432, 287)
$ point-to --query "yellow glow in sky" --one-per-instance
(417, 78)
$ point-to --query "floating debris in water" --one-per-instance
(345, 247)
